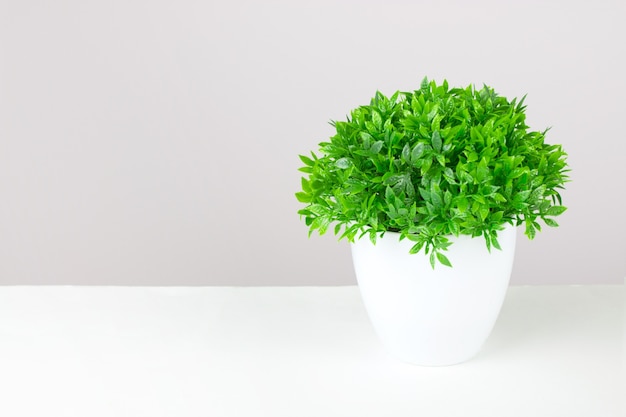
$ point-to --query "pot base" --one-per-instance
(433, 317)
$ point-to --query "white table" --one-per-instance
(300, 351)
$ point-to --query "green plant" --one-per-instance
(432, 163)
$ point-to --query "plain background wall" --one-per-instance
(156, 142)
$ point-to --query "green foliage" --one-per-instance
(433, 163)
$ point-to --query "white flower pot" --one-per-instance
(433, 317)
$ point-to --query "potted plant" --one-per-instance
(449, 173)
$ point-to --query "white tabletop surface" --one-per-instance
(300, 351)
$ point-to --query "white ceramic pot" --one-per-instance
(433, 317)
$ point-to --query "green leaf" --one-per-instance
(550, 222)
(517, 172)
(436, 141)
(417, 247)
(487, 241)
(426, 166)
(377, 120)
(484, 212)
(555, 210)
(406, 154)
(433, 113)
(366, 138)
(536, 194)
(463, 204)
(371, 127)
(443, 259)
(303, 197)
(372, 234)
(389, 194)
(321, 224)
(324, 223)
(448, 174)
(376, 147)
(479, 199)
(482, 171)
(435, 125)
(494, 242)
(343, 163)
(537, 226)
(522, 195)
(476, 136)
(417, 152)
(454, 227)
(530, 229)
(496, 217)
(307, 161)
(499, 198)
(436, 197)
